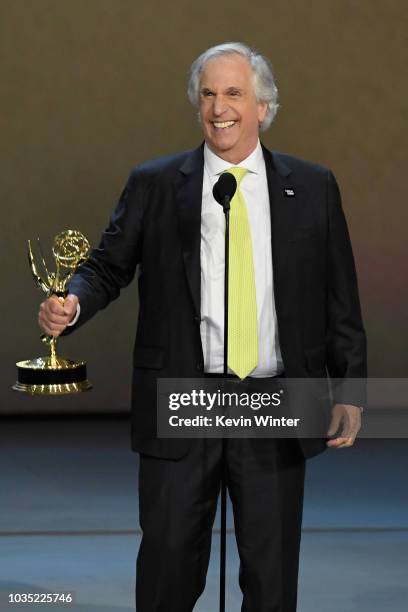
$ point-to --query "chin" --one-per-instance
(223, 143)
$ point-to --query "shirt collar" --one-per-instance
(215, 165)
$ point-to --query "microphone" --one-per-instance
(224, 190)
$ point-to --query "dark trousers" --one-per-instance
(178, 501)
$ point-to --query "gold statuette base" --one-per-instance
(84, 385)
(48, 376)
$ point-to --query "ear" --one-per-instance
(262, 110)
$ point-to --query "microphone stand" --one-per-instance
(223, 531)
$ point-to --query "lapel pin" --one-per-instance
(289, 193)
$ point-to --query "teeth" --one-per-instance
(224, 124)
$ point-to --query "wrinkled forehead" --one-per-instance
(227, 71)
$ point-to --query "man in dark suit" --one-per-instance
(298, 312)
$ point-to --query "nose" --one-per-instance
(219, 105)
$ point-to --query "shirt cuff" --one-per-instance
(75, 319)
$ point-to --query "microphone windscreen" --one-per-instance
(225, 186)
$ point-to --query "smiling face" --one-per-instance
(230, 114)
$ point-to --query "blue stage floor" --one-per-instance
(69, 522)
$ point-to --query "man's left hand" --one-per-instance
(349, 418)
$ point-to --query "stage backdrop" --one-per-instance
(90, 88)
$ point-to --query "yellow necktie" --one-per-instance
(242, 315)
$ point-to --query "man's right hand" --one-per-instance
(55, 314)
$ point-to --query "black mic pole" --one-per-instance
(223, 192)
(226, 207)
(223, 531)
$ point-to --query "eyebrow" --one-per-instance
(205, 90)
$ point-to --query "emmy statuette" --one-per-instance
(54, 375)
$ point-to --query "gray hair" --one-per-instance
(264, 81)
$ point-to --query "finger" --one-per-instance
(347, 443)
(54, 319)
(334, 424)
(341, 442)
(51, 327)
(356, 423)
(337, 442)
(54, 305)
(53, 331)
(346, 431)
(70, 305)
(352, 429)
(353, 433)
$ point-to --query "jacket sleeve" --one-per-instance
(346, 339)
(112, 265)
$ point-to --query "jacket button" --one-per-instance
(200, 366)
(197, 319)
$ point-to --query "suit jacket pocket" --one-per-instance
(316, 359)
(148, 357)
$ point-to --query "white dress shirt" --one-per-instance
(254, 188)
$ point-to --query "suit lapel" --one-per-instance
(282, 206)
(189, 187)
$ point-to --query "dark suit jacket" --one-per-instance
(156, 225)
